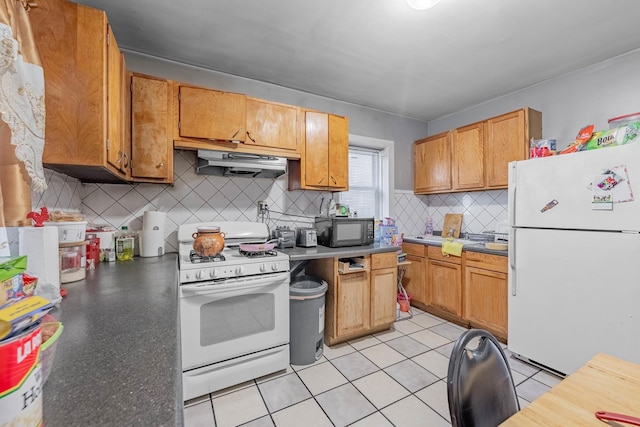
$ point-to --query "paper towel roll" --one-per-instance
(153, 220)
(151, 243)
(40, 245)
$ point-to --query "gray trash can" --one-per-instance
(306, 319)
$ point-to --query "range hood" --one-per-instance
(220, 163)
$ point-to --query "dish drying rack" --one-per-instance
(496, 236)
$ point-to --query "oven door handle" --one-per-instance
(234, 285)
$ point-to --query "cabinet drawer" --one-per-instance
(353, 265)
(385, 260)
(488, 262)
(435, 252)
(414, 249)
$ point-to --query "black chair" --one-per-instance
(480, 386)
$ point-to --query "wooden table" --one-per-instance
(604, 383)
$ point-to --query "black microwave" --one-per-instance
(336, 232)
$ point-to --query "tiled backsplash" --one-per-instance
(198, 198)
(481, 209)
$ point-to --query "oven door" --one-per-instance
(234, 317)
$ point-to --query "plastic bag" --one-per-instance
(49, 292)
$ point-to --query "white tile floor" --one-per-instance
(393, 378)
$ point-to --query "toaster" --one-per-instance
(306, 237)
(286, 237)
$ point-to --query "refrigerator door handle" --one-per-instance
(511, 193)
(512, 260)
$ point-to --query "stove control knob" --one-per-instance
(239, 270)
(212, 273)
(263, 268)
(200, 274)
(274, 266)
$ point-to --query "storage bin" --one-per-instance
(69, 231)
(72, 261)
(306, 319)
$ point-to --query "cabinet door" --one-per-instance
(445, 286)
(117, 153)
(72, 44)
(212, 114)
(352, 305)
(338, 153)
(384, 285)
(271, 125)
(432, 164)
(486, 299)
(316, 156)
(414, 280)
(151, 143)
(468, 158)
(506, 142)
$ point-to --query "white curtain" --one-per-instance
(22, 111)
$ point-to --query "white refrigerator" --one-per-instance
(574, 257)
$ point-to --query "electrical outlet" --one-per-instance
(262, 206)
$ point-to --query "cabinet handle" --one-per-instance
(160, 166)
(119, 159)
(126, 161)
(250, 137)
(233, 136)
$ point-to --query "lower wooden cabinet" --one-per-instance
(351, 307)
(470, 290)
(485, 292)
(444, 281)
(358, 301)
(384, 285)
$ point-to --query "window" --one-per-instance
(370, 177)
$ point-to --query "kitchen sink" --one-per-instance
(440, 239)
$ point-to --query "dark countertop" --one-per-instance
(473, 247)
(302, 254)
(117, 361)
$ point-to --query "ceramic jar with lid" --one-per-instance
(208, 241)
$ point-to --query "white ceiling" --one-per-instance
(380, 53)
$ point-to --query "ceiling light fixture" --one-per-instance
(422, 4)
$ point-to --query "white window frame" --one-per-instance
(386, 168)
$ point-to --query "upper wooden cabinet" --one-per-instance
(208, 119)
(507, 139)
(151, 139)
(84, 92)
(432, 164)
(211, 114)
(478, 156)
(273, 125)
(468, 157)
(118, 149)
(324, 164)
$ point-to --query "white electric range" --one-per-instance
(234, 309)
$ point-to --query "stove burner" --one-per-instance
(258, 254)
(195, 258)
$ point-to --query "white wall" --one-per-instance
(592, 95)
